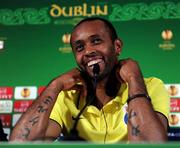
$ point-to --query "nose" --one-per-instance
(90, 51)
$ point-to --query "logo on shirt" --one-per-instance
(125, 113)
(126, 118)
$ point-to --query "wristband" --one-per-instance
(130, 98)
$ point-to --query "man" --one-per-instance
(90, 102)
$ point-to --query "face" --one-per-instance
(92, 44)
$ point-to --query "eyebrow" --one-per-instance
(76, 42)
(95, 35)
(90, 37)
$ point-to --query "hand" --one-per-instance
(129, 69)
(70, 80)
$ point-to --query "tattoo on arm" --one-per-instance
(34, 120)
(48, 100)
(132, 114)
(41, 109)
(135, 128)
(26, 132)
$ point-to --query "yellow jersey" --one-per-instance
(108, 125)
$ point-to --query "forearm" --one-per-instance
(33, 123)
(143, 123)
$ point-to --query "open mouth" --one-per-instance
(91, 63)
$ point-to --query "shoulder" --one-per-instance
(159, 95)
(153, 81)
(156, 87)
(71, 94)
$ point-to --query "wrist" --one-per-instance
(135, 79)
(136, 85)
(139, 95)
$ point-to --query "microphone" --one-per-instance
(73, 134)
(96, 70)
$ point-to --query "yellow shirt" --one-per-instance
(109, 124)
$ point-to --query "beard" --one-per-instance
(109, 59)
(103, 74)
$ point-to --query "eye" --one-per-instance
(96, 40)
(79, 47)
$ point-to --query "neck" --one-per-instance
(101, 96)
(106, 89)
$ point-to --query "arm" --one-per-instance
(35, 124)
(144, 123)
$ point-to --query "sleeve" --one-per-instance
(56, 111)
(159, 96)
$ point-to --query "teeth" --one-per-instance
(94, 62)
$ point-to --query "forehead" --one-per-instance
(89, 28)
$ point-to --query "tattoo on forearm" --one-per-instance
(132, 114)
(26, 132)
(41, 109)
(135, 130)
(48, 100)
(34, 120)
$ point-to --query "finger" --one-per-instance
(123, 61)
(77, 75)
(76, 87)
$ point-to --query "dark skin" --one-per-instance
(91, 44)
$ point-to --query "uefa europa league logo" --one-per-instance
(66, 38)
(167, 35)
(167, 44)
(65, 47)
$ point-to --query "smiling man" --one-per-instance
(104, 100)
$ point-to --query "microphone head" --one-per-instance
(96, 70)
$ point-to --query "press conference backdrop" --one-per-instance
(34, 46)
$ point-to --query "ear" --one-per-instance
(118, 46)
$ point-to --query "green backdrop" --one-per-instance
(33, 51)
(32, 38)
